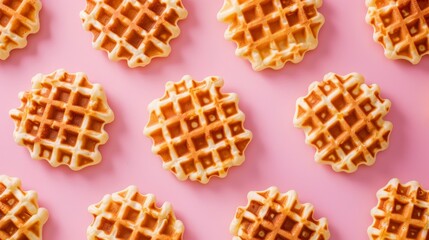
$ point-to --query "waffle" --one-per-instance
(134, 30)
(401, 212)
(401, 27)
(197, 130)
(18, 19)
(342, 118)
(270, 33)
(20, 216)
(130, 215)
(271, 215)
(61, 119)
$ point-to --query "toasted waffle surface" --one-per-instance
(62, 118)
(130, 215)
(402, 212)
(270, 33)
(401, 27)
(271, 215)
(18, 19)
(133, 30)
(20, 216)
(342, 118)
(197, 130)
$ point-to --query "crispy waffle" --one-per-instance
(401, 212)
(197, 130)
(18, 19)
(271, 215)
(61, 119)
(342, 118)
(401, 27)
(134, 30)
(20, 215)
(130, 215)
(270, 33)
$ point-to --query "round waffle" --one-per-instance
(133, 30)
(342, 118)
(401, 27)
(20, 216)
(270, 33)
(130, 215)
(18, 19)
(197, 130)
(401, 212)
(61, 119)
(271, 215)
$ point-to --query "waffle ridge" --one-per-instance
(20, 215)
(62, 118)
(342, 118)
(197, 130)
(18, 19)
(401, 212)
(401, 27)
(271, 215)
(270, 33)
(130, 215)
(133, 30)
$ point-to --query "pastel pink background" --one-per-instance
(277, 156)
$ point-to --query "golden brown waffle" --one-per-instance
(20, 215)
(402, 212)
(18, 19)
(134, 30)
(197, 130)
(61, 119)
(130, 215)
(342, 118)
(271, 215)
(401, 27)
(270, 33)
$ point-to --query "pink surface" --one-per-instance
(277, 155)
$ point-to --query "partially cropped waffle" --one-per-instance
(18, 19)
(20, 215)
(62, 118)
(401, 27)
(342, 118)
(197, 130)
(271, 215)
(133, 30)
(402, 212)
(270, 33)
(130, 215)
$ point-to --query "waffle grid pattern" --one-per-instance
(131, 215)
(401, 27)
(270, 33)
(18, 19)
(20, 215)
(343, 119)
(134, 30)
(401, 213)
(197, 130)
(62, 119)
(271, 215)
